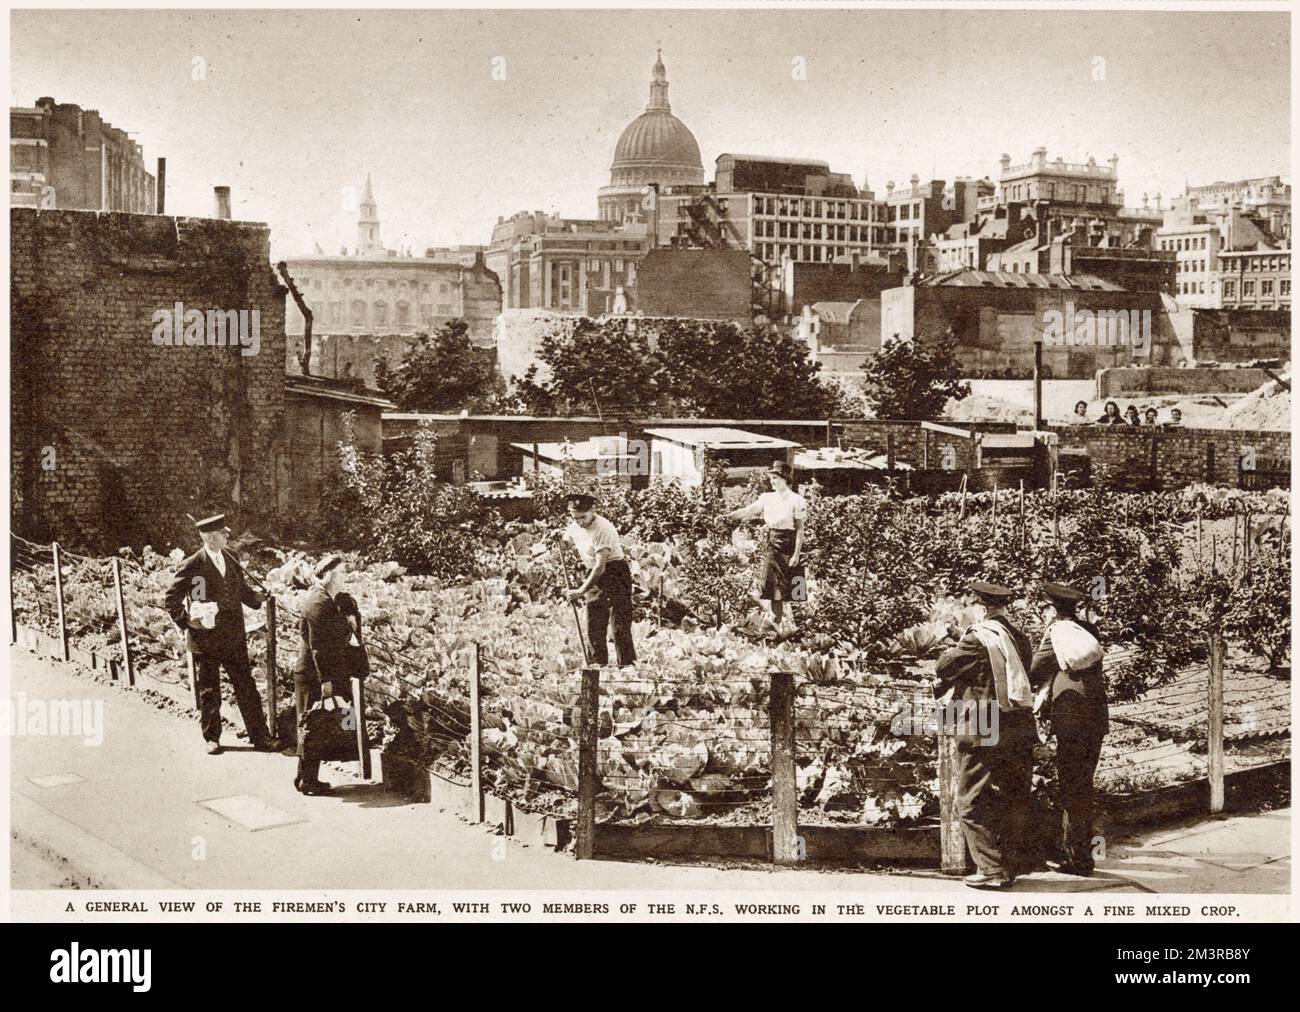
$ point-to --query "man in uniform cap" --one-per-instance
(1069, 662)
(206, 600)
(989, 668)
(601, 550)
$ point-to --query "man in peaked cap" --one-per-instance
(205, 600)
(1069, 662)
(989, 668)
(601, 550)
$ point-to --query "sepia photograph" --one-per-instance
(734, 462)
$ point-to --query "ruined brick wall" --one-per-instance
(1177, 457)
(137, 433)
(1130, 381)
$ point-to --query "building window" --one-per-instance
(1266, 287)
(381, 314)
(1284, 286)
(1229, 289)
(1248, 288)
(358, 313)
(403, 314)
(426, 313)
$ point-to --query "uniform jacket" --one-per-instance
(326, 628)
(1084, 691)
(966, 670)
(199, 579)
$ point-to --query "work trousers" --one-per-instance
(615, 598)
(207, 678)
(994, 803)
(1079, 735)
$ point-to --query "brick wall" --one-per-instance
(1166, 379)
(700, 284)
(1177, 457)
(915, 445)
(139, 433)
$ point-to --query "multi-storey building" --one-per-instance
(564, 264)
(1083, 196)
(921, 213)
(1255, 278)
(63, 156)
(372, 303)
(778, 209)
(1199, 237)
(1266, 197)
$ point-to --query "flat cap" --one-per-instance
(216, 522)
(326, 564)
(1062, 593)
(992, 593)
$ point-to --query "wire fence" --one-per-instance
(656, 749)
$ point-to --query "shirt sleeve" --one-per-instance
(800, 510)
(603, 536)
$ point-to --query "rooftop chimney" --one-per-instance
(221, 194)
(160, 187)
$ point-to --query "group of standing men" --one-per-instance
(995, 665)
(206, 600)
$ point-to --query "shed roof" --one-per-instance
(721, 438)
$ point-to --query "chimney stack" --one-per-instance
(222, 197)
(160, 186)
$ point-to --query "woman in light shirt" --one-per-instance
(783, 511)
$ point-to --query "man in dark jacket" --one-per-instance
(1078, 714)
(989, 668)
(205, 600)
(332, 653)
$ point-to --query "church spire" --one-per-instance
(368, 240)
(658, 86)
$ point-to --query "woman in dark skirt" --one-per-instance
(783, 511)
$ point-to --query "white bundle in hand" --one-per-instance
(1075, 647)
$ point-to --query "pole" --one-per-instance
(127, 664)
(476, 809)
(952, 844)
(588, 730)
(359, 715)
(785, 793)
(272, 706)
(58, 599)
(963, 495)
(13, 609)
(1214, 732)
(1038, 385)
(995, 504)
(1023, 534)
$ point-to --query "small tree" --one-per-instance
(441, 372)
(913, 379)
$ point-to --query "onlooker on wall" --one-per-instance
(1081, 412)
(1152, 417)
(1111, 415)
(1175, 418)
(1131, 415)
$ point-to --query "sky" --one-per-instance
(291, 109)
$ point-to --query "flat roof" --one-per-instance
(719, 438)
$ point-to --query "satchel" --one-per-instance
(330, 734)
(1076, 649)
